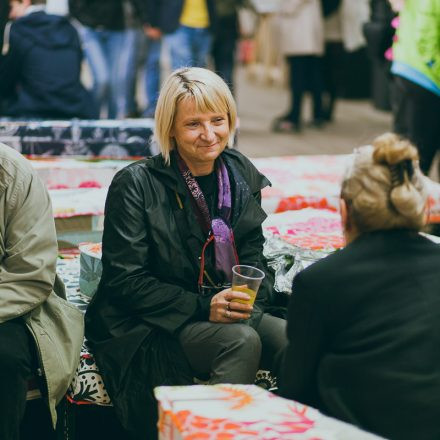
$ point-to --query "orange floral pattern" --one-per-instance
(242, 412)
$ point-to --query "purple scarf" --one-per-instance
(224, 246)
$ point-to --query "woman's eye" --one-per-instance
(219, 120)
(192, 124)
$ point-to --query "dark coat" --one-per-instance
(40, 73)
(106, 14)
(148, 289)
(165, 14)
(364, 336)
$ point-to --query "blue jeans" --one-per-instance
(111, 57)
(152, 76)
(189, 46)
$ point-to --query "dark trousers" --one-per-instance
(17, 363)
(223, 48)
(333, 76)
(232, 353)
(305, 74)
(418, 118)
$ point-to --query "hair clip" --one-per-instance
(400, 170)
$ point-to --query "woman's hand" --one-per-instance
(227, 311)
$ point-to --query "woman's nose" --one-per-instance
(208, 132)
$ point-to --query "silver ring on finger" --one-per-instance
(228, 307)
(228, 314)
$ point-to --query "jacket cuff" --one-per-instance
(204, 307)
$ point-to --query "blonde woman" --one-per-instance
(175, 224)
(364, 323)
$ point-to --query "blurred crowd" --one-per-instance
(325, 44)
(118, 39)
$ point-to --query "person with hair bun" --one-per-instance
(364, 323)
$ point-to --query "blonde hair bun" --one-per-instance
(407, 200)
(389, 149)
(385, 187)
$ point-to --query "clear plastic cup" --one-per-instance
(246, 279)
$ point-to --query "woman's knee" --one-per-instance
(247, 338)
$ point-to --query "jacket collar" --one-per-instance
(251, 216)
(170, 176)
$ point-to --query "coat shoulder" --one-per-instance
(247, 169)
(13, 165)
(138, 170)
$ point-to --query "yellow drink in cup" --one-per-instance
(245, 289)
(246, 279)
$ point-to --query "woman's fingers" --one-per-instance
(224, 310)
(233, 316)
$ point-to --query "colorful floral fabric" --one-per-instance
(300, 182)
(239, 412)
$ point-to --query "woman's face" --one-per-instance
(200, 137)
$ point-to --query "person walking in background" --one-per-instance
(344, 41)
(110, 51)
(144, 60)
(225, 38)
(333, 56)
(188, 27)
(151, 65)
(152, 69)
(302, 42)
(40, 66)
(416, 67)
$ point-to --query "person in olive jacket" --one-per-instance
(40, 332)
(175, 224)
(364, 323)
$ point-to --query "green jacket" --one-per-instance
(28, 284)
(417, 48)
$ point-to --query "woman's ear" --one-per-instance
(343, 212)
(426, 212)
(349, 227)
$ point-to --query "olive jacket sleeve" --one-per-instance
(28, 245)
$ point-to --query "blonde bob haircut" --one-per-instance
(384, 187)
(209, 93)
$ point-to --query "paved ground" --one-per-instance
(356, 123)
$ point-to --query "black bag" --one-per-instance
(329, 6)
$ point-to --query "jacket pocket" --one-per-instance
(58, 329)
